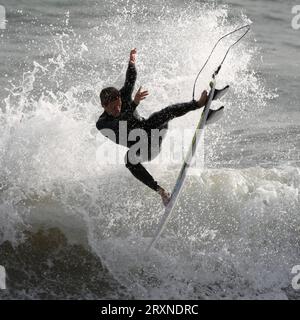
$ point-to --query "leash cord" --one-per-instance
(220, 66)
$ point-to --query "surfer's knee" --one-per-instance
(131, 159)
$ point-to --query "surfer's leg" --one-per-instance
(159, 118)
(140, 172)
(163, 116)
(155, 141)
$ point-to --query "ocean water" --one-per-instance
(74, 227)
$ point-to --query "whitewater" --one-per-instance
(73, 226)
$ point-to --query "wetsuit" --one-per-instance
(157, 120)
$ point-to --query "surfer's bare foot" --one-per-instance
(203, 99)
(165, 196)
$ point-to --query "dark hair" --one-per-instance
(108, 95)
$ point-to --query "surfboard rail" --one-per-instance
(184, 168)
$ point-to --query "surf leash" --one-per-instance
(247, 27)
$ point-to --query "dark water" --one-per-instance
(72, 226)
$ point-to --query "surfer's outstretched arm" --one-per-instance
(131, 75)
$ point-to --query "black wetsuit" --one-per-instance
(157, 120)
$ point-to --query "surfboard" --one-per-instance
(184, 168)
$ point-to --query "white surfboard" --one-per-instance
(183, 172)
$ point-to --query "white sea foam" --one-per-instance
(235, 232)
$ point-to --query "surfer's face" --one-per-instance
(113, 108)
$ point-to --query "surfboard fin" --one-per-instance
(219, 93)
(214, 115)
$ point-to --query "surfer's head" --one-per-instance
(111, 101)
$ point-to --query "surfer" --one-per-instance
(120, 108)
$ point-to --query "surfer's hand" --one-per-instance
(203, 99)
(132, 55)
(165, 196)
(140, 95)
